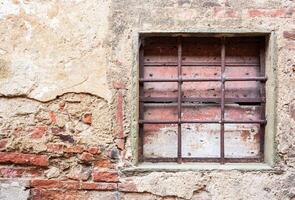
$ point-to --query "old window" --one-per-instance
(202, 99)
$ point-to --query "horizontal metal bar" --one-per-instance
(180, 79)
(246, 79)
(202, 121)
(228, 160)
(204, 79)
(158, 99)
(245, 122)
(202, 100)
(204, 159)
(198, 64)
(158, 122)
(176, 121)
(183, 159)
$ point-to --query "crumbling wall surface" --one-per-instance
(68, 98)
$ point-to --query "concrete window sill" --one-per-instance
(171, 167)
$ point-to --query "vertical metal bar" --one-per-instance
(141, 104)
(222, 100)
(263, 95)
(179, 60)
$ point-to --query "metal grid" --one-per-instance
(180, 100)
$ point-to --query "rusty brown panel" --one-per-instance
(161, 89)
(242, 140)
(240, 112)
(157, 136)
(160, 72)
(160, 49)
(201, 140)
(201, 49)
(160, 112)
(200, 72)
(201, 89)
(201, 112)
(242, 71)
(238, 50)
(242, 89)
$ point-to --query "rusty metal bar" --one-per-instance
(158, 121)
(178, 79)
(222, 100)
(263, 95)
(177, 121)
(232, 160)
(202, 122)
(201, 100)
(179, 47)
(203, 79)
(199, 121)
(141, 104)
(246, 79)
(198, 64)
(245, 121)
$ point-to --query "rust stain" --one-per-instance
(256, 137)
(245, 135)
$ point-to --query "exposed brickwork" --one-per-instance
(105, 176)
(13, 172)
(72, 185)
(38, 132)
(24, 159)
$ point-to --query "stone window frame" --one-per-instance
(270, 107)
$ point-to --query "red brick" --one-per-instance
(93, 150)
(55, 184)
(98, 186)
(119, 116)
(74, 149)
(9, 172)
(86, 157)
(55, 148)
(3, 143)
(20, 158)
(270, 12)
(127, 186)
(104, 163)
(87, 118)
(45, 194)
(52, 116)
(71, 185)
(105, 176)
(38, 132)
